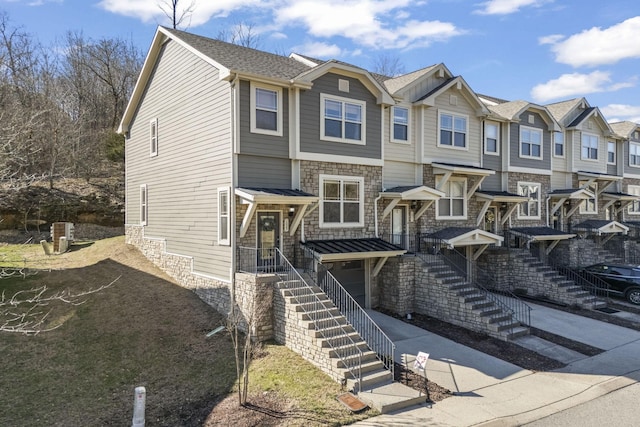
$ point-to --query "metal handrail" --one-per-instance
(436, 250)
(367, 328)
(272, 261)
(594, 285)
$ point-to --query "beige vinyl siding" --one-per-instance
(433, 153)
(193, 161)
(400, 151)
(560, 180)
(416, 92)
(400, 173)
(589, 165)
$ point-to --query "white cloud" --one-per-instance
(598, 46)
(319, 50)
(150, 10)
(550, 39)
(506, 7)
(568, 85)
(619, 112)
(364, 22)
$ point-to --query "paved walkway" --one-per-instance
(492, 392)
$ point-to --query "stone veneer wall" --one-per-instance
(577, 253)
(310, 182)
(396, 285)
(545, 187)
(251, 291)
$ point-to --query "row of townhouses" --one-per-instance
(252, 178)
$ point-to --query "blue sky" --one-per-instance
(542, 51)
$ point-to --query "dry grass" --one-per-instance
(143, 330)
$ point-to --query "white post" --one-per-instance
(139, 401)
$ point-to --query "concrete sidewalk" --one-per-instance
(492, 392)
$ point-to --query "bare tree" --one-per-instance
(242, 34)
(387, 64)
(175, 14)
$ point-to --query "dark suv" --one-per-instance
(623, 280)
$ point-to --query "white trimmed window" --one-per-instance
(223, 216)
(454, 203)
(590, 205)
(589, 147)
(266, 109)
(558, 144)
(453, 130)
(634, 154)
(531, 208)
(634, 208)
(611, 153)
(342, 201)
(342, 119)
(144, 204)
(153, 137)
(530, 142)
(491, 139)
(400, 124)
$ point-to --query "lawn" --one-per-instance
(142, 330)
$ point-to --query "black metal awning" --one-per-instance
(343, 249)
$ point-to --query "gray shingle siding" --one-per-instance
(310, 141)
(184, 93)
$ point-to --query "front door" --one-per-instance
(399, 226)
(491, 220)
(268, 238)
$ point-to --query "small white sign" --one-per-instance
(421, 361)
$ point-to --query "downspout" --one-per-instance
(547, 204)
(375, 214)
(232, 195)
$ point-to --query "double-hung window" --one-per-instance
(454, 203)
(634, 208)
(634, 154)
(153, 137)
(529, 209)
(453, 130)
(590, 205)
(342, 200)
(266, 109)
(589, 147)
(342, 120)
(530, 142)
(611, 152)
(491, 140)
(144, 204)
(558, 144)
(223, 216)
(400, 124)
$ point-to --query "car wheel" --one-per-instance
(633, 296)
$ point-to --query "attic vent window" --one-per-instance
(343, 85)
(635, 135)
(589, 125)
(453, 100)
(531, 119)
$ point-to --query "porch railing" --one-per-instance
(366, 327)
(436, 250)
(334, 333)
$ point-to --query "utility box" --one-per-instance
(58, 231)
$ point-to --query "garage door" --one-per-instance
(351, 276)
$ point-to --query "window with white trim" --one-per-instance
(400, 124)
(342, 119)
(153, 137)
(342, 201)
(590, 205)
(634, 207)
(266, 109)
(491, 139)
(558, 144)
(224, 209)
(611, 152)
(589, 147)
(453, 130)
(453, 205)
(634, 154)
(530, 142)
(531, 208)
(144, 204)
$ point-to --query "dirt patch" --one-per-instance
(433, 391)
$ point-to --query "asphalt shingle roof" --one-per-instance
(625, 128)
(539, 231)
(560, 109)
